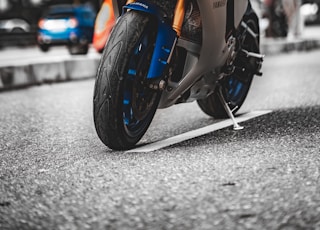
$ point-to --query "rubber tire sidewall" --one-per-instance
(108, 95)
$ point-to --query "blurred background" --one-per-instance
(19, 19)
(286, 18)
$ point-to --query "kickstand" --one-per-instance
(236, 126)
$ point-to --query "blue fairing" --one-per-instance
(165, 38)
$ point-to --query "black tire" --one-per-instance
(77, 49)
(235, 87)
(124, 105)
(44, 48)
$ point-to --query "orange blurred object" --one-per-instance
(104, 22)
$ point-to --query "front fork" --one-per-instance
(179, 13)
(167, 34)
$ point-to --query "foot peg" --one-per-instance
(259, 59)
(252, 54)
(236, 126)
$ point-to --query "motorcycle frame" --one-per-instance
(202, 59)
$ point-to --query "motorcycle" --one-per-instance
(161, 53)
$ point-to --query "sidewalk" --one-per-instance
(16, 74)
(308, 41)
(27, 66)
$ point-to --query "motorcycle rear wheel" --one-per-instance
(124, 105)
(234, 87)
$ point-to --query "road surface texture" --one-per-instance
(56, 174)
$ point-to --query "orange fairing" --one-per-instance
(104, 22)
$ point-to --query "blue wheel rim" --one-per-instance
(137, 97)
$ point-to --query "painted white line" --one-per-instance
(196, 133)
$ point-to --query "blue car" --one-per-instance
(70, 25)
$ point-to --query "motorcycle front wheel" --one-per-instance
(123, 103)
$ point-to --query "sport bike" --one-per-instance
(160, 53)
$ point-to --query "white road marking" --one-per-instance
(196, 133)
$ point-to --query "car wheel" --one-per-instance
(78, 49)
(44, 48)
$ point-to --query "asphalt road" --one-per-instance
(56, 174)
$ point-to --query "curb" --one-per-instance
(277, 46)
(79, 68)
(13, 77)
